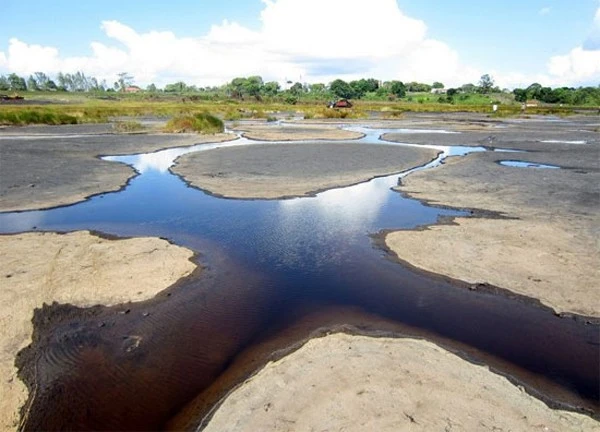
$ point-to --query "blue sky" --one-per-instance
(514, 40)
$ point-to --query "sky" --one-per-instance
(210, 42)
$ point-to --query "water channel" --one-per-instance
(267, 262)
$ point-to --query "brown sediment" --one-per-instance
(545, 249)
(553, 271)
(128, 367)
(77, 268)
(63, 170)
(134, 366)
(274, 171)
(295, 132)
(314, 321)
(358, 383)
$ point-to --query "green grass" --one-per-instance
(35, 116)
(66, 108)
(128, 126)
(204, 123)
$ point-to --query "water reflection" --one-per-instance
(342, 210)
(580, 142)
(23, 221)
(525, 164)
(312, 250)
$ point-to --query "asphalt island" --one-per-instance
(532, 235)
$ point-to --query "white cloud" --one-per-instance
(300, 40)
(593, 40)
(283, 48)
(334, 26)
(579, 65)
(582, 63)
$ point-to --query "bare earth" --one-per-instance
(45, 167)
(287, 170)
(549, 252)
(294, 132)
(356, 383)
(77, 268)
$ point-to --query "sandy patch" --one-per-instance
(60, 169)
(535, 259)
(286, 170)
(356, 383)
(550, 252)
(77, 268)
(297, 133)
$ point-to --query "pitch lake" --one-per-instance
(266, 264)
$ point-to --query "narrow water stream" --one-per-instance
(266, 260)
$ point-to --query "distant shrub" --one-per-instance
(271, 119)
(290, 100)
(332, 113)
(26, 117)
(200, 123)
(233, 115)
(394, 114)
(258, 114)
(128, 126)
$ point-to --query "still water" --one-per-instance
(282, 255)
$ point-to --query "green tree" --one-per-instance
(241, 87)
(236, 88)
(297, 89)
(4, 83)
(42, 80)
(520, 95)
(125, 80)
(468, 88)
(317, 88)
(364, 86)
(548, 95)
(151, 88)
(486, 83)
(437, 85)
(533, 91)
(398, 89)
(32, 84)
(565, 95)
(341, 89)
(178, 87)
(416, 87)
(271, 88)
(51, 85)
(17, 83)
(253, 86)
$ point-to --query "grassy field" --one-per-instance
(69, 108)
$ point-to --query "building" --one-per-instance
(342, 103)
(132, 89)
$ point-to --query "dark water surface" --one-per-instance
(267, 259)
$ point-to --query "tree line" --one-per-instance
(254, 88)
(560, 95)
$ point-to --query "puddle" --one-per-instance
(265, 261)
(524, 164)
(580, 142)
(502, 150)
